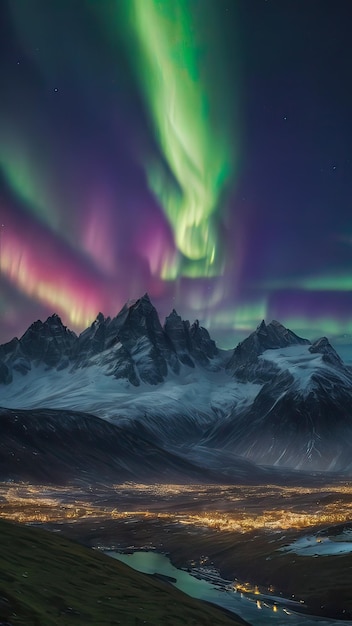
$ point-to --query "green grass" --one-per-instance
(46, 580)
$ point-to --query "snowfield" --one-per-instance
(314, 545)
(302, 365)
(198, 393)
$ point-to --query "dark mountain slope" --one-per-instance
(63, 446)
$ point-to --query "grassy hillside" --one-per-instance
(46, 580)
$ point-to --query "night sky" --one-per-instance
(199, 150)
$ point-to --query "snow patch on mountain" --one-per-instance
(302, 364)
(194, 392)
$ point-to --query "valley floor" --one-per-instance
(247, 533)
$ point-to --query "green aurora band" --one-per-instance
(330, 282)
(178, 64)
(27, 167)
(18, 166)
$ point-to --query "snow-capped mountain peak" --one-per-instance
(276, 398)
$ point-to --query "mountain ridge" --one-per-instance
(135, 329)
(275, 399)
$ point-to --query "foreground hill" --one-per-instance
(46, 580)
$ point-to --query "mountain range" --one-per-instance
(131, 398)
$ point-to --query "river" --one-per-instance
(257, 611)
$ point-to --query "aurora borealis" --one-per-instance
(199, 150)
(192, 136)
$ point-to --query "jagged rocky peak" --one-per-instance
(189, 340)
(141, 314)
(202, 346)
(145, 299)
(54, 321)
(49, 342)
(9, 348)
(99, 322)
(174, 325)
(137, 315)
(143, 304)
(100, 319)
(146, 342)
(275, 335)
(92, 340)
(51, 328)
(178, 333)
(173, 319)
(265, 337)
(324, 347)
